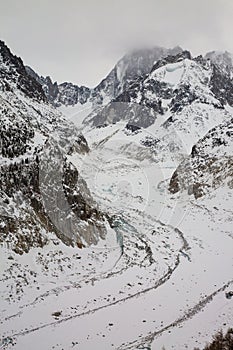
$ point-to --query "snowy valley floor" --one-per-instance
(159, 279)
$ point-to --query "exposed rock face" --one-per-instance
(184, 97)
(70, 94)
(34, 202)
(174, 82)
(221, 80)
(223, 60)
(135, 79)
(129, 68)
(172, 58)
(13, 74)
(66, 94)
(43, 193)
(210, 164)
(222, 86)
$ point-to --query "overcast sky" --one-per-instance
(81, 40)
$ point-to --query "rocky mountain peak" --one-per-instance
(223, 59)
(13, 70)
(172, 59)
(133, 65)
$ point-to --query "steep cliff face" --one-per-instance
(36, 181)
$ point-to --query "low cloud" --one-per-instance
(80, 41)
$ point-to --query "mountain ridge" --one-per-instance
(28, 121)
(128, 68)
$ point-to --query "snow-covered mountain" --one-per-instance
(178, 102)
(146, 189)
(35, 139)
(130, 67)
(61, 94)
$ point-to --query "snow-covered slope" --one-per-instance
(175, 102)
(128, 68)
(167, 269)
(159, 276)
(35, 139)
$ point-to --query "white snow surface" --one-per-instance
(158, 280)
(160, 276)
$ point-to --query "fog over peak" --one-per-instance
(80, 41)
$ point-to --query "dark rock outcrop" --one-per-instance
(42, 195)
(14, 71)
(131, 67)
(210, 164)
